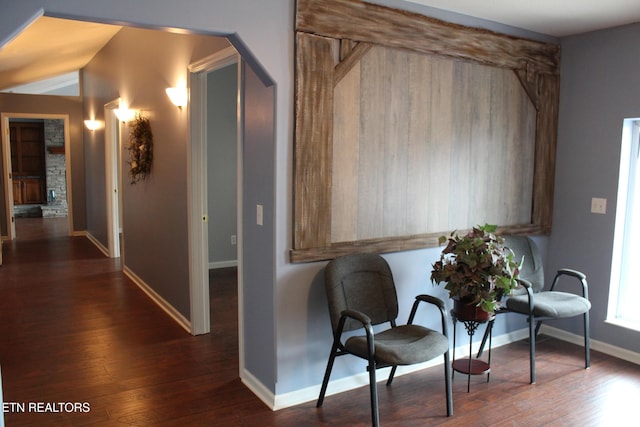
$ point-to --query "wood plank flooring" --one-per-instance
(74, 329)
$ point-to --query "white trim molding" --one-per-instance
(611, 350)
(259, 389)
(308, 394)
(97, 243)
(223, 264)
(161, 302)
(152, 294)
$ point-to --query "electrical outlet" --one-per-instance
(233, 239)
(598, 205)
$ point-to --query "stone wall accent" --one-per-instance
(56, 170)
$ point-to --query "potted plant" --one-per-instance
(477, 270)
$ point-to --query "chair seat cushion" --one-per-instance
(403, 345)
(550, 304)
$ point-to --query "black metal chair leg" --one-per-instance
(587, 345)
(392, 374)
(487, 331)
(375, 418)
(532, 350)
(447, 384)
(538, 325)
(327, 374)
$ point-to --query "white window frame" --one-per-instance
(628, 208)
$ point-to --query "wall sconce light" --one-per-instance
(178, 96)
(93, 124)
(124, 114)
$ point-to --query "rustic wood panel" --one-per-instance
(549, 88)
(376, 201)
(361, 21)
(346, 157)
(419, 148)
(350, 56)
(313, 150)
(439, 152)
(469, 158)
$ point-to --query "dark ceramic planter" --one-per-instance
(465, 310)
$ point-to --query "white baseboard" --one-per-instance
(223, 264)
(262, 392)
(161, 302)
(611, 350)
(308, 394)
(97, 243)
(153, 295)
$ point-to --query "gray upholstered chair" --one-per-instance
(361, 294)
(540, 305)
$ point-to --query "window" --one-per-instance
(625, 282)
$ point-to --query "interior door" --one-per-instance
(113, 179)
(28, 161)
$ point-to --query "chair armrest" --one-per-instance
(573, 273)
(366, 323)
(570, 272)
(528, 286)
(434, 301)
(357, 315)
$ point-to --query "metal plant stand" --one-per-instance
(471, 365)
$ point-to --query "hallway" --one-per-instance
(75, 329)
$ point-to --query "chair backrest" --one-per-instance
(360, 282)
(531, 269)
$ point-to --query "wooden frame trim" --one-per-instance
(324, 27)
(360, 21)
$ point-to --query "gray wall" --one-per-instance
(262, 33)
(258, 173)
(600, 86)
(286, 318)
(222, 146)
(44, 104)
(138, 65)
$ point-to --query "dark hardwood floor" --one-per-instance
(74, 329)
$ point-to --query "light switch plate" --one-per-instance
(598, 205)
(259, 219)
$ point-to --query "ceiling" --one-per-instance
(52, 47)
(557, 18)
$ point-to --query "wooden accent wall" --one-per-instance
(408, 127)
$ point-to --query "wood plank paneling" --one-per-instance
(346, 116)
(434, 127)
(370, 196)
(447, 140)
(313, 150)
(549, 87)
(439, 149)
(361, 21)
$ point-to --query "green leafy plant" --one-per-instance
(476, 267)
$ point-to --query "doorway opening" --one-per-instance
(113, 179)
(216, 185)
(37, 168)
